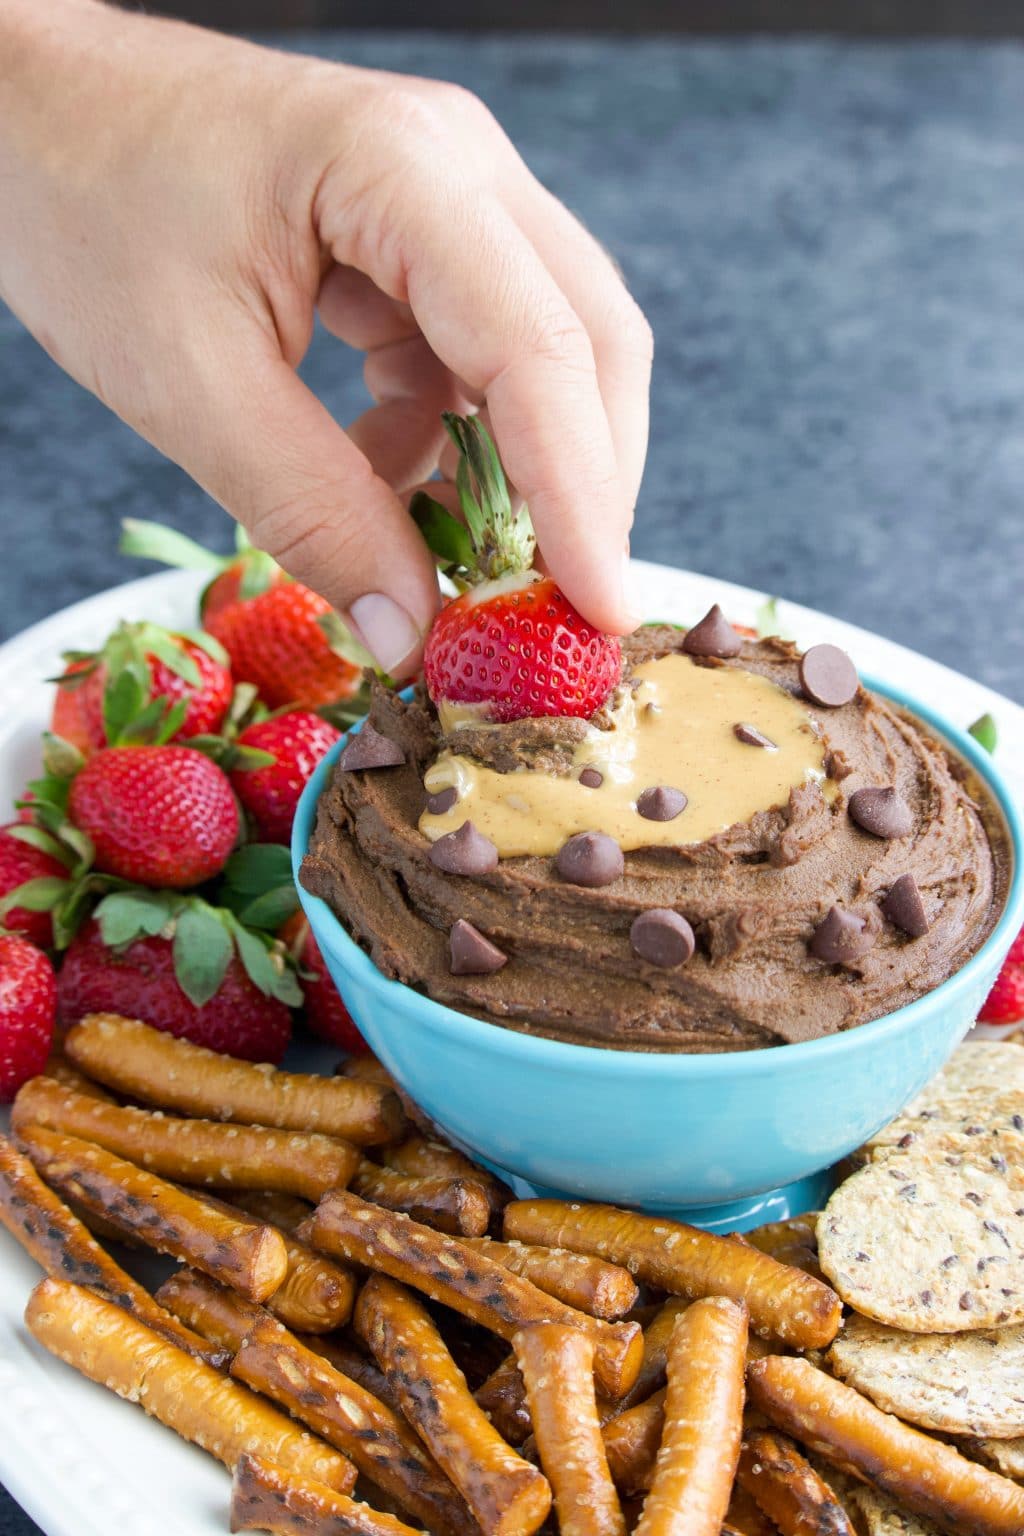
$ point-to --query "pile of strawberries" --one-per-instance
(147, 872)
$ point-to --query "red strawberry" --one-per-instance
(513, 642)
(278, 642)
(161, 816)
(139, 664)
(138, 980)
(235, 578)
(325, 1012)
(1005, 1002)
(245, 578)
(28, 1009)
(20, 862)
(297, 741)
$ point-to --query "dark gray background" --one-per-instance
(828, 239)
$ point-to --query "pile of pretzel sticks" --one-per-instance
(346, 1336)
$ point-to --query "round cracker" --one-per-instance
(980, 1089)
(930, 1241)
(1005, 1456)
(961, 1384)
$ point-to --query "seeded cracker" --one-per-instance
(930, 1243)
(980, 1090)
(879, 1517)
(970, 1383)
(1005, 1456)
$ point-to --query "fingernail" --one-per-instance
(385, 628)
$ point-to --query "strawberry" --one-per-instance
(141, 980)
(296, 741)
(325, 1013)
(1005, 1002)
(283, 643)
(235, 578)
(27, 853)
(513, 642)
(28, 1009)
(161, 815)
(145, 684)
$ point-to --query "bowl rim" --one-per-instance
(595, 1059)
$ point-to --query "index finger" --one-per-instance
(495, 316)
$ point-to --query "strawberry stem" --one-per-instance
(502, 538)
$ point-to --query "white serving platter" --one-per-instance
(80, 1461)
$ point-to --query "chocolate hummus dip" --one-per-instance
(744, 848)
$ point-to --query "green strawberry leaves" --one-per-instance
(443, 534)
(152, 541)
(258, 886)
(204, 938)
(501, 540)
(767, 622)
(985, 732)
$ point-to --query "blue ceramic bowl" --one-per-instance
(726, 1139)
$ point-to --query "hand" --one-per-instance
(177, 208)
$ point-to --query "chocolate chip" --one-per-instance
(662, 937)
(471, 953)
(905, 909)
(591, 778)
(464, 852)
(840, 937)
(443, 801)
(713, 636)
(662, 803)
(752, 736)
(369, 749)
(828, 676)
(590, 858)
(882, 811)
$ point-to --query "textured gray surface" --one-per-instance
(828, 240)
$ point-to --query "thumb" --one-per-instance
(273, 456)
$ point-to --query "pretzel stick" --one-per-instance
(343, 1413)
(249, 1257)
(63, 1071)
(211, 1309)
(425, 1156)
(158, 1068)
(64, 1248)
(787, 1488)
(197, 1152)
(700, 1444)
(580, 1280)
(745, 1518)
(459, 1205)
(783, 1303)
(349, 1360)
(466, 1281)
(316, 1295)
(503, 1398)
(265, 1497)
(505, 1493)
(186, 1394)
(657, 1335)
(557, 1365)
(922, 1474)
(286, 1212)
(793, 1241)
(631, 1442)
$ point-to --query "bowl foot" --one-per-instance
(807, 1194)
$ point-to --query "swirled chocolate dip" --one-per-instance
(720, 788)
